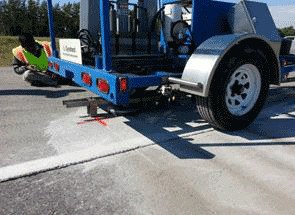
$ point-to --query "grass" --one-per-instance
(7, 43)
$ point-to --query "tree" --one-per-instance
(287, 31)
(24, 22)
(43, 19)
(58, 20)
(2, 27)
(75, 19)
(11, 14)
(32, 17)
(18, 16)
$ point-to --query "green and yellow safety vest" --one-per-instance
(40, 63)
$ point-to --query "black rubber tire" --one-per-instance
(213, 108)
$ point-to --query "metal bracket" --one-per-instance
(186, 86)
(92, 104)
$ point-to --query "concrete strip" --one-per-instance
(99, 151)
(64, 160)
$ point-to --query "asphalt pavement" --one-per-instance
(55, 160)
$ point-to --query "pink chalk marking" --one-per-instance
(100, 121)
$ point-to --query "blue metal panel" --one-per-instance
(169, 2)
(145, 81)
(264, 24)
(105, 35)
(209, 19)
(67, 69)
(51, 28)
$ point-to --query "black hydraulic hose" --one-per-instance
(186, 9)
(154, 20)
(85, 36)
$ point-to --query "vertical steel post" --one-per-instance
(51, 28)
(105, 35)
(163, 44)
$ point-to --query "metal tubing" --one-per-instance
(51, 28)
(186, 86)
(135, 20)
(105, 35)
(198, 86)
(149, 42)
(76, 102)
(117, 43)
(133, 42)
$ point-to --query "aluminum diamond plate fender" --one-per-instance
(203, 63)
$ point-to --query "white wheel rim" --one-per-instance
(243, 90)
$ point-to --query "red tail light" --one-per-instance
(50, 65)
(86, 78)
(103, 85)
(123, 84)
(56, 67)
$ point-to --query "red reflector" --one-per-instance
(103, 85)
(56, 66)
(123, 84)
(86, 78)
(50, 65)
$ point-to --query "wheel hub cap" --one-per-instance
(243, 89)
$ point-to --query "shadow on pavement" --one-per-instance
(277, 118)
(172, 128)
(246, 144)
(165, 127)
(40, 92)
(176, 127)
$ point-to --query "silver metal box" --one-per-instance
(254, 17)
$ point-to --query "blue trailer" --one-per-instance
(223, 55)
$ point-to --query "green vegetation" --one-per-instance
(287, 31)
(19, 16)
(7, 43)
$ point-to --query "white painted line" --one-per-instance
(64, 160)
